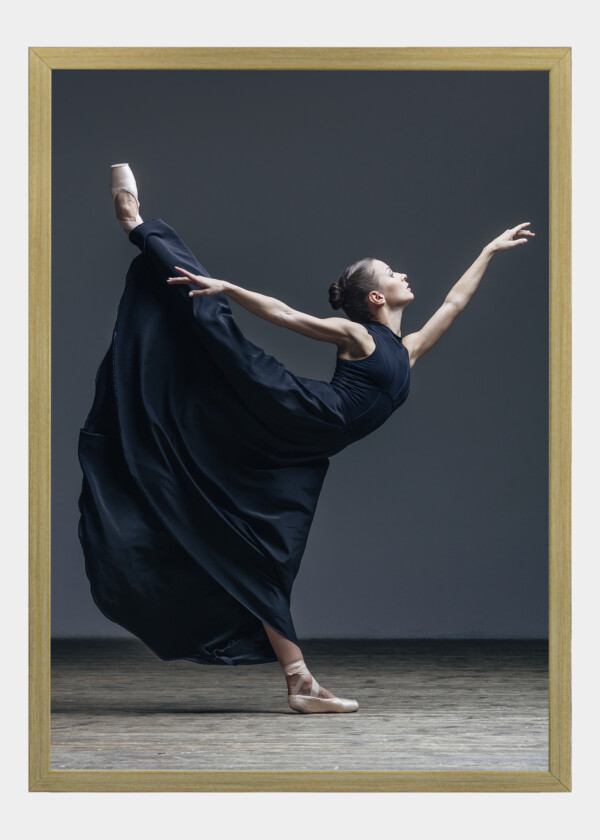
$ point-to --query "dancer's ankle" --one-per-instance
(128, 226)
(300, 680)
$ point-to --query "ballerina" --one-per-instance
(203, 456)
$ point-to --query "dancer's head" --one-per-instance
(366, 286)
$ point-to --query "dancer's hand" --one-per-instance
(506, 241)
(208, 285)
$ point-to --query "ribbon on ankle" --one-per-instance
(300, 668)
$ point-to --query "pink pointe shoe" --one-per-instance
(122, 181)
(311, 703)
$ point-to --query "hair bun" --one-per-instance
(352, 289)
(336, 298)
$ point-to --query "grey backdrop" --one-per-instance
(436, 525)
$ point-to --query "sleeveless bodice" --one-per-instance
(372, 388)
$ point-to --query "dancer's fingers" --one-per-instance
(185, 271)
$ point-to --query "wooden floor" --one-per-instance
(423, 706)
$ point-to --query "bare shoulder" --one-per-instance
(353, 340)
(335, 330)
(420, 342)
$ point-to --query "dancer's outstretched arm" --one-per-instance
(340, 331)
(418, 343)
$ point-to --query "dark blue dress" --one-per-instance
(203, 458)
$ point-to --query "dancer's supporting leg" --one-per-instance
(297, 675)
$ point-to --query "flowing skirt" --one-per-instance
(203, 458)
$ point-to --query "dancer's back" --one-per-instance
(372, 388)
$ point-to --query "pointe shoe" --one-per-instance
(311, 703)
(121, 178)
(122, 181)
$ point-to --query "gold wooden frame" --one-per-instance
(557, 61)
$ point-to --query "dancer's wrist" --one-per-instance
(228, 287)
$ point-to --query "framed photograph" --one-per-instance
(260, 490)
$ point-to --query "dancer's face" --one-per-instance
(393, 285)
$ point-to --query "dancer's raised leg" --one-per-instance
(304, 692)
(259, 378)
